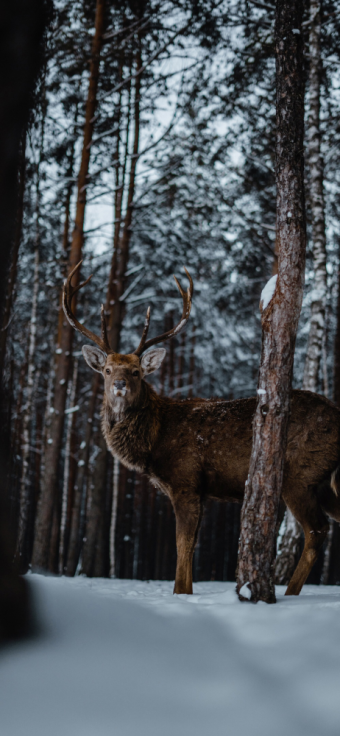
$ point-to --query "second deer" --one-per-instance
(194, 449)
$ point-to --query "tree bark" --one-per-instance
(290, 545)
(22, 27)
(114, 308)
(280, 317)
(64, 503)
(49, 480)
(115, 323)
(75, 540)
(12, 275)
(318, 304)
(336, 387)
(21, 551)
(21, 557)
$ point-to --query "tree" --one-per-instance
(22, 34)
(48, 486)
(290, 545)
(281, 305)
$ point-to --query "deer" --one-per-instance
(195, 449)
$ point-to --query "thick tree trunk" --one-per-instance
(22, 28)
(280, 315)
(290, 546)
(49, 480)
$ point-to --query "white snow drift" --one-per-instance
(127, 658)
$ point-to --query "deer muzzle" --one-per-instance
(119, 388)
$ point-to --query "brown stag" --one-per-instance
(193, 449)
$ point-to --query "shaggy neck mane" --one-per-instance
(131, 434)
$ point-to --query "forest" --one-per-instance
(150, 147)
(169, 449)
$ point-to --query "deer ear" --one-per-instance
(94, 357)
(152, 360)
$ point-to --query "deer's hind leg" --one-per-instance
(315, 527)
(188, 513)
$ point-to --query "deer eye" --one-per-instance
(135, 373)
(108, 370)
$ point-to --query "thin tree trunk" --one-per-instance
(290, 545)
(181, 363)
(95, 505)
(49, 480)
(64, 503)
(123, 247)
(75, 540)
(336, 386)
(318, 305)
(280, 315)
(12, 275)
(289, 551)
(331, 567)
(192, 364)
(24, 493)
(16, 463)
(114, 517)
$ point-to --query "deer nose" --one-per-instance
(119, 384)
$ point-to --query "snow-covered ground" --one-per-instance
(127, 658)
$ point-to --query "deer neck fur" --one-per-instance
(131, 434)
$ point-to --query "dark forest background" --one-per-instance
(150, 147)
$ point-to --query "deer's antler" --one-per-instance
(68, 293)
(187, 302)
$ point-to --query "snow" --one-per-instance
(261, 391)
(245, 591)
(268, 292)
(127, 658)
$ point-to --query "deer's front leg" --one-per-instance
(188, 518)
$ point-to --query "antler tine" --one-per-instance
(145, 333)
(187, 302)
(68, 293)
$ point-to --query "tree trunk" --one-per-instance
(114, 516)
(123, 245)
(12, 275)
(280, 315)
(114, 307)
(336, 387)
(318, 304)
(191, 364)
(49, 480)
(24, 492)
(64, 503)
(290, 545)
(331, 567)
(75, 540)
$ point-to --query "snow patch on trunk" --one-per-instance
(268, 292)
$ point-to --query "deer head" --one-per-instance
(123, 374)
